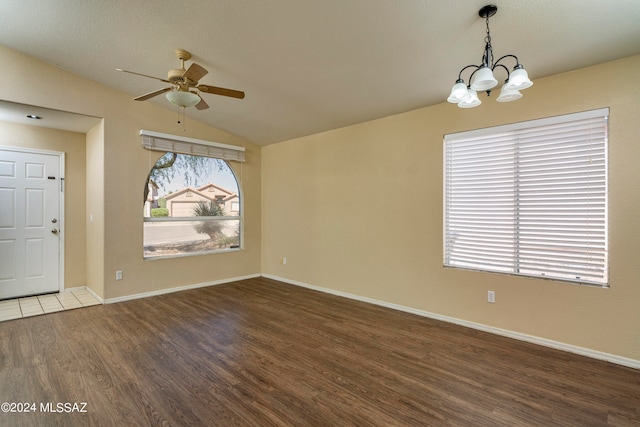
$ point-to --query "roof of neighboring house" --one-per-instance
(209, 185)
(178, 193)
(201, 191)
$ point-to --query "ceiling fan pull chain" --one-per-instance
(181, 118)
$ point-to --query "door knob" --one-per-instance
(54, 231)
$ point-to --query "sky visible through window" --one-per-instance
(221, 176)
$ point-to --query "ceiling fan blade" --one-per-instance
(221, 91)
(195, 73)
(202, 105)
(143, 75)
(152, 94)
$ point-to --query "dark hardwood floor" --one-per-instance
(263, 353)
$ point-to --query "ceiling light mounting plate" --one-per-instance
(488, 11)
(184, 55)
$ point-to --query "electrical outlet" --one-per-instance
(491, 296)
(119, 275)
(283, 260)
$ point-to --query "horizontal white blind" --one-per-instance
(196, 147)
(529, 198)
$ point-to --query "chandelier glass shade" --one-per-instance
(482, 77)
(470, 100)
(183, 98)
(507, 94)
(519, 79)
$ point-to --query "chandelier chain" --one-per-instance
(487, 58)
(487, 39)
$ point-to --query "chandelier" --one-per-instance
(482, 79)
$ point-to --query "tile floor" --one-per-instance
(43, 304)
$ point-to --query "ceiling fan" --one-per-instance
(184, 90)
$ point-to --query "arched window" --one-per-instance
(192, 205)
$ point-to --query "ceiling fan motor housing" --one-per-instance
(176, 77)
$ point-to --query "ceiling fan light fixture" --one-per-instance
(183, 98)
(185, 89)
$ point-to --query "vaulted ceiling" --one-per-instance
(312, 65)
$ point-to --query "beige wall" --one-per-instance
(330, 206)
(72, 144)
(116, 176)
(94, 209)
(328, 203)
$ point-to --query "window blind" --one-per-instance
(529, 198)
(177, 144)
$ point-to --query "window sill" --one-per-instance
(184, 255)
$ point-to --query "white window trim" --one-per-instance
(191, 218)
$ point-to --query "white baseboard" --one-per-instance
(618, 360)
(170, 290)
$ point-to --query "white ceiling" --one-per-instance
(312, 65)
(45, 117)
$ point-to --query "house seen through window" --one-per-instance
(191, 206)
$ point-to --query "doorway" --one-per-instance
(31, 221)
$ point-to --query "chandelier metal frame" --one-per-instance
(482, 79)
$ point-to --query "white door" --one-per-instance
(30, 232)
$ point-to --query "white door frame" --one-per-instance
(61, 228)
